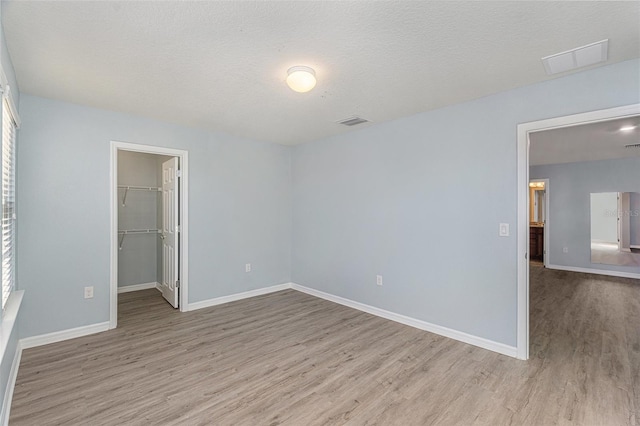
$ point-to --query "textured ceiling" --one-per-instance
(222, 65)
(587, 142)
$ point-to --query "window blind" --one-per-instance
(8, 202)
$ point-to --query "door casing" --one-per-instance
(183, 157)
(523, 131)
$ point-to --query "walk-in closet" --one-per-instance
(146, 220)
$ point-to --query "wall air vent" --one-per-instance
(352, 121)
(633, 145)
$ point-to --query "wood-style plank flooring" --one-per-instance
(289, 358)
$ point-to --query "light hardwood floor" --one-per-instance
(289, 358)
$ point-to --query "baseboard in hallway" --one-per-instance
(618, 274)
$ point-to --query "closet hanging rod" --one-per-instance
(128, 188)
(135, 231)
(139, 231)
(139, 188)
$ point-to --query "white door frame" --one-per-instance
(624, 222)
(619, 221)
(545, 230)
(524, 130)
(184, 221)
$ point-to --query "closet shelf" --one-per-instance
(139, 231)
(139, 188)
(124, 232)
(128, 188)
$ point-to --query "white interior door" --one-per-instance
(170, 231)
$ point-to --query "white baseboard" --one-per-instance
(138, 287)
(619, 274)
(59, 336)
(238, 296)
(412, 322)
(422, 325)
(11, 384)
(634, 246)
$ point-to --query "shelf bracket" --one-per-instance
(124, 198)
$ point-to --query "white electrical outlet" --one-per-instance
(88, 292)
(379, 279)
(565, 249)
(247, 267)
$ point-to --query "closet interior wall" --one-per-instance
(139, 254)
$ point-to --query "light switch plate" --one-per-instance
(504, 229)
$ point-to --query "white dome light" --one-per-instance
(301, 79)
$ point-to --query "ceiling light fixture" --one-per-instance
(627, 128)
(301, 79)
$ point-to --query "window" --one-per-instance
(8, 201)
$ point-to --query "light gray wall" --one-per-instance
(240, 210)
(419, 200)
(138, 256)
(570, 188)
(375, 201)
(604, 223)
(635, 218)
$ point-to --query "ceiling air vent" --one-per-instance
(633, 145)
(352, 121)
(576, 58)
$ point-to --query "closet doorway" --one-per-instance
(149, 229)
